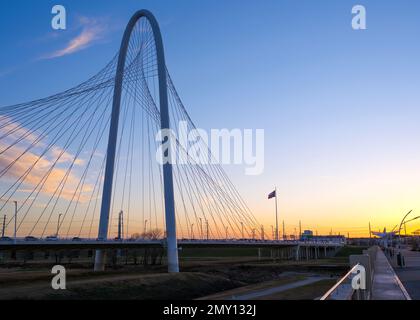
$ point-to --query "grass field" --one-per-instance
(346, 251)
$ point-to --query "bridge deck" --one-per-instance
(386, 285)
(92, 244)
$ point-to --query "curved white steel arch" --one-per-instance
(172, 248)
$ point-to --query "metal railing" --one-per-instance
(363, 268)
(343, 289)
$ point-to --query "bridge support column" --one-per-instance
(297, 253)
(100, 261)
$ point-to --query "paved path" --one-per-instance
(410, 275)
(271, 291)
(386, 285)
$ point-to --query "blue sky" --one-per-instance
(340, 108)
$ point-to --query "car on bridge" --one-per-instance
(6, 239)
(52, 238)
(31, 238)
(77, 239)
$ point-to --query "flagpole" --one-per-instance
(277, 218)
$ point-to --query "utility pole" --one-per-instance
(4, 226)
(253, 234)
(120, 225)
(16, 211)
(145, 228)
(201, 228)
(227, 234)
(242, 230)
(262, 233)
(277, 218)
(15, 235)
(58, 225)
(272, 232)
(207, 229)
(370, 232)
(284, 231)
(192, 231)
(300, 229)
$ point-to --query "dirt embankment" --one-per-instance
(194, 282)
(144, 287)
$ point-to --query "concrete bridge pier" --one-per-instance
(100, 260)
(297, 253)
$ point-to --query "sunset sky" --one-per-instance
(340, 108)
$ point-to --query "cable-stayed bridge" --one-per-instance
(83, 164)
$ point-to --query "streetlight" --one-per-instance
(399, 230)
(16, 210)
(405, 223)
(4, 226)
(58, 224)
(145, 228)
(201, 228)
(16, 204)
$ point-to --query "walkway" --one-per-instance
(274, 290)
(386, 285)
(410, 275)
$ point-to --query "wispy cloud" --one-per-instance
(92, 31)
(12, 130)
(43, 171)
(6, 72)
(17, 160)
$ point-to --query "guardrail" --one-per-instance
(343, 289)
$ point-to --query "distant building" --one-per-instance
(308, 235)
